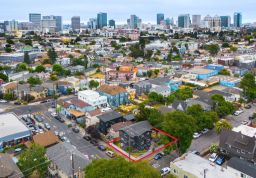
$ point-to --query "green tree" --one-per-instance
(182, 126)
(224, 72)
(34, 160)
(136, 51)
(184, 93)
(58, 69)
(53, 77)
(4, 77)
(8, 48)
(248, 84)
(93, 84)
(222, 107)
(214, 148)
(213, 49)
(225, 45)
(27, 58)
(222, 124)
(21, 67)
(69, 91)
(8, 96)
(119, 168)
(52, 55)
(34, 81)
(233, 48)
(40, 68)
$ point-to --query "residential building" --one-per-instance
(108, 119)
(102, 20)
(196, 21)
(142, 87)
(8, 168)
(225, 21)
(241, 168)
(229, 81)
(63, 166)
(93, 98)
(112, 23)
(137, 136)
(75, 23)
(235, 144)
(113, 132)
(35, 19)
(191, 165)
(161, 90)
(184, 21)
(46, 139)
(116, 95)
(202, 73)
(12, 130)
(237, 19)
(159, 18)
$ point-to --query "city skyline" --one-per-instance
(120, 11)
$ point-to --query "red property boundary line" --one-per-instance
(174, 141)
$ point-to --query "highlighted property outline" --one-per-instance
(122, 152)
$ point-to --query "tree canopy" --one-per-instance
(33, 159)
(120, 168)
(222, 124)
(58, 69)
(213, 49)
(34, 81)
(248, 84)
(4, 77)
(52, 55)
(40, 68)
(93, 84)
(27, 58)
(222, 107)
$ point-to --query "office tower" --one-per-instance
(159, 18)
(92, 24)
(184, 21)
(237, 19)
(58, 23)
(35, 19)
(75, 23)
(2, 27)
(225, 21)
(208, 21)
(48, 24)
(11, 26)
(102, 20)
(196, 20)
(216, 21)
(134, 22)
(26, 26)
(112, 23)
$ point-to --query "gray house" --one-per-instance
(235, 144)
(142, 87)
(137, 136)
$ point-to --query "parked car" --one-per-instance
(220, 160)
(59, 119)
(54, 114)
(248, 106)
(3, 101)
(102, 147)
(76, 129)
(213, 157)
(47, 126)
(56, 133)
(157, 156)
(87, 137)
(38, 118)
(94, 142)
(196, 135)
(238, 112)
(204, 131)
(17, 103)
(111, 154)
(195, 152)
(165, 171)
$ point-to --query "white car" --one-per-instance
(196, 135)
(213, 157)
(165, 171)
(54, 114)
(205, 131)
(238, 112)
(245, 122)
(3, 101)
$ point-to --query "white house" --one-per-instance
(93, 98)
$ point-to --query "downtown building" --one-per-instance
(75, 23)
(213, 23)
(112, 23)
(196, 21)
(237, 19)
(134, 22)
(35, 19)
(184, 21)
(225, 21)
(102, 20)
(159, 18)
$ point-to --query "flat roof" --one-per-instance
(10, 124)
(197, 165)
(200, 71)
(245, 130)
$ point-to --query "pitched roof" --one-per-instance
(108, 116)
(116, 127)
(76, 113)
(63, 152)
(95, 112)
(8, 168)
(79, 103)
(242, 166)
(137, 129)
(112, 90)
(46, 139)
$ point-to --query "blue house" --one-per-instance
(203, 74)
(229, 81)
(215, 67)
(116, 95)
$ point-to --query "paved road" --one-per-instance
(206, 140)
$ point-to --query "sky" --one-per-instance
(120, 10)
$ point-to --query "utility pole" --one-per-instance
(72, 164)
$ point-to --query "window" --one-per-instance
(185, 176)
(243, 175)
